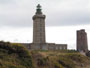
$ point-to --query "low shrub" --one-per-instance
(57, 65)
(15, 54)
(42, 62)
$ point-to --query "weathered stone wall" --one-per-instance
(47, 46)
(53, 46)
(61, 46)
(38, 46)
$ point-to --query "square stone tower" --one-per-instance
(82, 44)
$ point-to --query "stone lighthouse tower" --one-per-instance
(39, 26)
(38, 29)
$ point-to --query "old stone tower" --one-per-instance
(82, 44)
(39, 26)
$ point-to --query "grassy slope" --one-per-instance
(16, 56)
(60, 59)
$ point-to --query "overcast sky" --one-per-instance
(63, 16)
(18, 13)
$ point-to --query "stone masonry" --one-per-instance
(82, 44)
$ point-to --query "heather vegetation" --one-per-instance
(16, 56)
